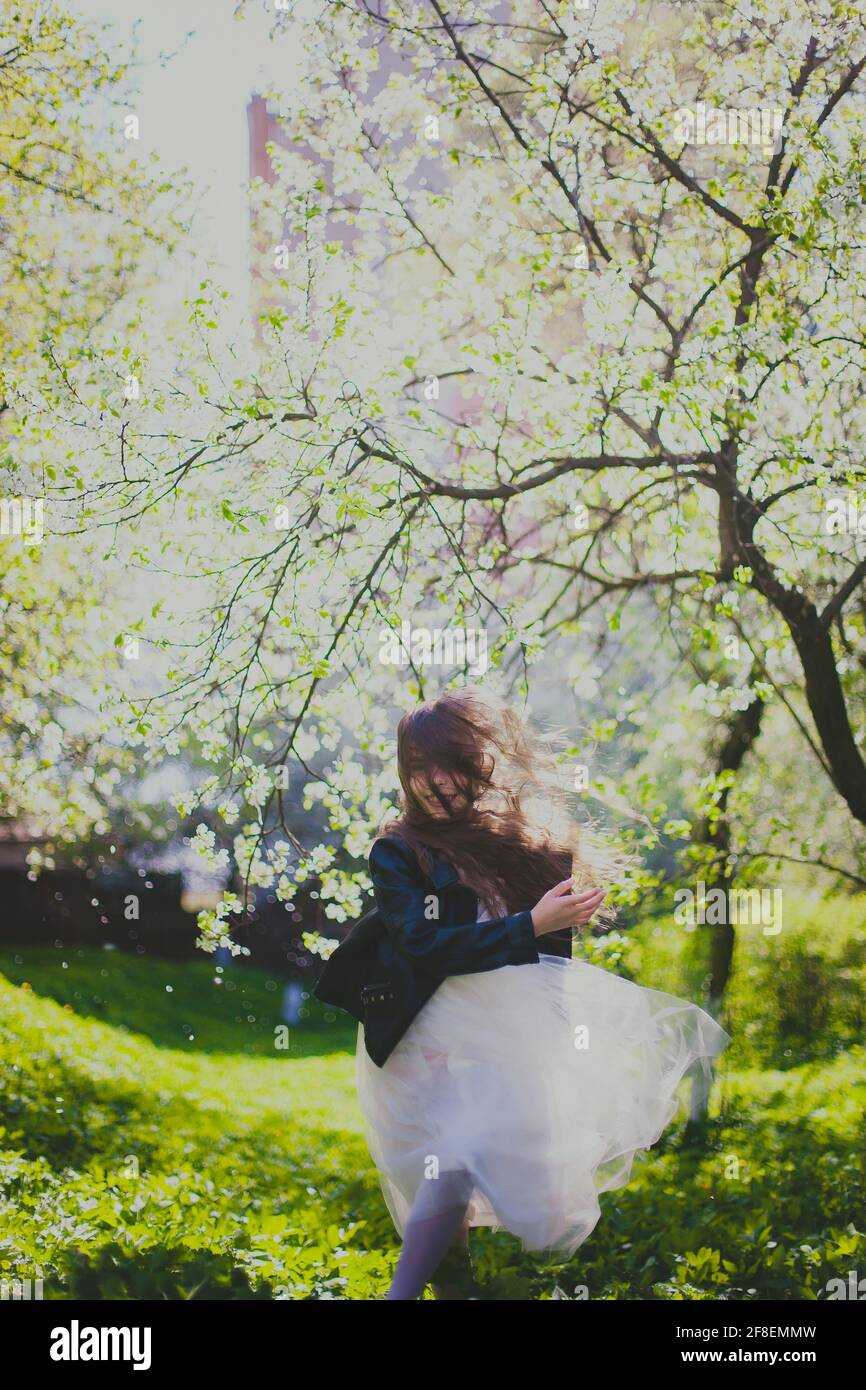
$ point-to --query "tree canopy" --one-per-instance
(542, 357)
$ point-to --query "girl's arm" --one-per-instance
(407, 902)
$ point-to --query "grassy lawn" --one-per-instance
(154, 1142)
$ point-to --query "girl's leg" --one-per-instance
(435, 1222)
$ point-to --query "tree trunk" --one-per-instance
(742, 732)
(812, 637)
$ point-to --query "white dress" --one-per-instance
(537, 1084)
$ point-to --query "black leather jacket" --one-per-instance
(422, 930)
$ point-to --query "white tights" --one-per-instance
(434, 1222)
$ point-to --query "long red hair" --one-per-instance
(507, 829)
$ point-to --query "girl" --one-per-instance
(509, 1096)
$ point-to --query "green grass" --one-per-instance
(194, 1006)
(154, 1141)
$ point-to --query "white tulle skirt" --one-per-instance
(537, 1084)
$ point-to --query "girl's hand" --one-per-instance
(560, 908)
